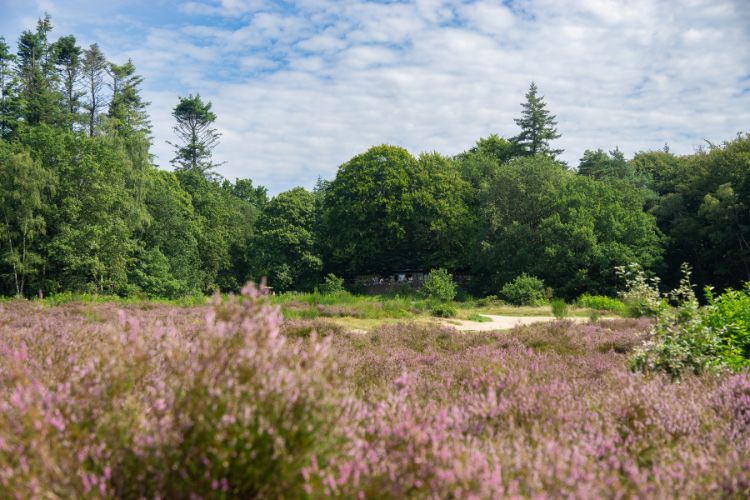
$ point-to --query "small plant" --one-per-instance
(559, 308)
(439, 285)
(641, 296)
(525, 290)
(489, 300)
(479, 318)
(443, 310)
(332, 284)
(601, 303)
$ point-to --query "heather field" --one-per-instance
(229, 400)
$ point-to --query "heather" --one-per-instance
(228, 400)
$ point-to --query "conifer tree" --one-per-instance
(537, 126)
(198, 137)
(94, 67)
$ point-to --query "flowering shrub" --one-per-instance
(641, 296)
(218, 402)
(233, 409)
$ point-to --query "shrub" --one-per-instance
(332, 284)
(728, 315)
(525, 290)
(439, 285)
(559, 308)
(681, 340)
(231, 409)
(601, 303)
(443, 310)
(641, 296)
(489, 300)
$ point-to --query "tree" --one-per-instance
(7, 116)
(68, 60)
(94, 67)
(198, 138)
(285, 242)
(24, 189)
(537, 126)
(367, 212)
(127, 110)
(37, 75)
(569, 230)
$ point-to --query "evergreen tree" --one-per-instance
(94, 67)
(537, 126)
(198, 137)
(68, 61)
(7, 118)
(37, 75)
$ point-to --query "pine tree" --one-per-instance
(194, 128)
(68, 61)
(7, 118)
(537, 126)
(94, 66)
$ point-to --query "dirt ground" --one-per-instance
(504, 322)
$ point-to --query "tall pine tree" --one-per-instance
(537, 126)
(198, 137)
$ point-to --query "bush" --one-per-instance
(332, 284)
(641, 296)
(690, 338)
(489, 300)
(601, 303)
(728, 315)
(559, 308)
(525, 290)
(148, 408)
(439, 285)
(443, 310)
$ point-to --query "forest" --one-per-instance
(84, 208)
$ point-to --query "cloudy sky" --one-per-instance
(300, 87)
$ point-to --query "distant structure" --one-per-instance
(397, 280)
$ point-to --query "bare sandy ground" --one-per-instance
(504, 322)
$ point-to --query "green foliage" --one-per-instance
(641, 296)
(331, 284)
(680, 341)
(728, 315)
(444, 310)
(567, 229)
(387, 210)
(194, 129)
(439, 285)
(601, 303)
(285, 243)
(524, 290)
(559, 308)
(537, 126)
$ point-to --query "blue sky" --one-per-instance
(300, 87)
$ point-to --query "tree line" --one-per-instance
(84, 208)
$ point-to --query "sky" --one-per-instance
(299, 87)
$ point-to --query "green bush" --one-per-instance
(525, 290)
(559, 308)
(641, 296)
(690, 338)
(601, 303)
(728, 315)
(443, 310)
(331, 284)
(439, 285)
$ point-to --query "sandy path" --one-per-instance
(505, 322)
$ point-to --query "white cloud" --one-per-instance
(300, 87)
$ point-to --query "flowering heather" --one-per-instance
(219, 402)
